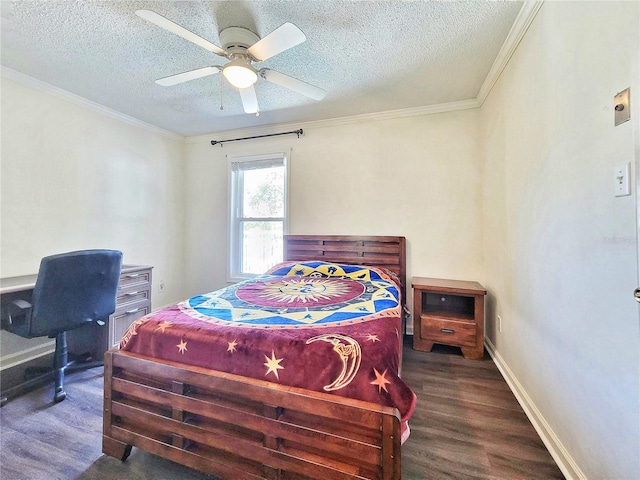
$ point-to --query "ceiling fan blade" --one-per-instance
(186, 76)
(249, 99)
(294, 84)
(167, 24)
(282, 38)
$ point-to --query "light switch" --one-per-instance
(622, 181)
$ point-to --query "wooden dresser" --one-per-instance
(449, 312)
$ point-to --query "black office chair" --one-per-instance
(72, 290)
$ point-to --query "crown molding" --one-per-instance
(527, 13)
(519, 28)
(31, 82)
(331, 122)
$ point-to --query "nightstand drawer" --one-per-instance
(449, 332)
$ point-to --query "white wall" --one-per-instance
(417, 176)
(559, 248)
(74, 178)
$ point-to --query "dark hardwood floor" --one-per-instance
(467, 425)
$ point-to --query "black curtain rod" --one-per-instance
(220, 142)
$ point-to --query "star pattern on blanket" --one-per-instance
(162, 326)
(273, 365)
(373, 338)
(380, 380)
(231, 346)
(182, 346)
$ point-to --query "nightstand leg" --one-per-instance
(473, 353)
(422, 345)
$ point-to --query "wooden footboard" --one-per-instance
(240, 428)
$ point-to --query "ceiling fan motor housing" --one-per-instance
(237, 39)
(239, 71)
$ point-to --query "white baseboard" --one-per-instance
(560, 454)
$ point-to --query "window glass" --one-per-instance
(261, 246)
(258, 205)
(264, 192)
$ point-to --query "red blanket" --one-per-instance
(320, 326)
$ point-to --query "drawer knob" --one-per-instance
(134, 275)
(447, 330)
(131, 294)
(129, 312)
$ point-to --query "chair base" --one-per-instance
(59, 395)
(61, 365)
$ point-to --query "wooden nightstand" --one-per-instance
(449, 312)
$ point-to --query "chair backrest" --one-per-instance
(73, 289)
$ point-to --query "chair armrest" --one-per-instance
(17, 309)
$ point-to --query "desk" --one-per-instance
(17, 284)
(133, 301)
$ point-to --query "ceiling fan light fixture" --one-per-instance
(240, 74)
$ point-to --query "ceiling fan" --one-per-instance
(242, 48)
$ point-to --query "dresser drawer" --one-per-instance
(120, 321)
(449, 332)
(129, 279)
(133, 301)
(132, 295)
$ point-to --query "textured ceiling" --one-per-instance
(370, 56)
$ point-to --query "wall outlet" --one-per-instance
(161, 286)
(499, 323)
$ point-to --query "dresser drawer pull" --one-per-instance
(134, 275)
(129, 312)
(447, 330)
(131, 294)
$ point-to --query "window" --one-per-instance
(258, 213)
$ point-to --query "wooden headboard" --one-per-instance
(375, 251)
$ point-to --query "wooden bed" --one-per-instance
(241, 428)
